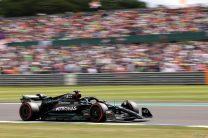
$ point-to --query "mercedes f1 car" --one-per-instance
(71, 107)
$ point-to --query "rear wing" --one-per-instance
(29, 98)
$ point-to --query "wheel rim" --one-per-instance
(96, 113)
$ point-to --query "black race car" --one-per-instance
(71, 107)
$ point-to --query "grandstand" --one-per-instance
(104, 24)
(41, 55)
(162, 57)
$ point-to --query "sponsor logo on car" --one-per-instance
(66, 108)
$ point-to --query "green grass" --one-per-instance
(97, 131)
(197, 93)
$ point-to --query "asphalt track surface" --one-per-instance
(176, 114)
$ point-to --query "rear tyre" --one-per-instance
(29, 111)
(98, 112)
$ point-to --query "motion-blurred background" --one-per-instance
(99, 36)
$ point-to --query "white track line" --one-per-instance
(112, 124)
(200, 126)
(10, 103)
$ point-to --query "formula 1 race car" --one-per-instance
(71, 107)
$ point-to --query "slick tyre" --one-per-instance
(98, 112)
(131, 106)
(29, 111)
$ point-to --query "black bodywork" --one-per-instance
(71, 107)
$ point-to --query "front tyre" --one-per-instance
(29, 111)
(131, 106)
(98, 112)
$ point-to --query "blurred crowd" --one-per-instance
(104, 24)
(161, 57)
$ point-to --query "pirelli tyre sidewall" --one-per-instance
(131, 106)
(98, 112)
(29, 111)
